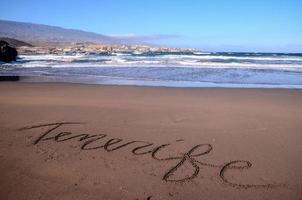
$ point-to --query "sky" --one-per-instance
(210, 25)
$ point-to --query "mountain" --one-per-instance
(33, 33)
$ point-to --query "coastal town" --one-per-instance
(91, 48)
(10, 48)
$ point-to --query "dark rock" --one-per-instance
(7, 53)
(9, 78)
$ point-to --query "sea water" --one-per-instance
(179, 69)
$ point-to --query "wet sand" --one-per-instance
(74, 141)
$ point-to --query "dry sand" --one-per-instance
(149, 143)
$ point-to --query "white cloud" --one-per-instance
(137, 37)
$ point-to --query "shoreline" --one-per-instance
(111, 81)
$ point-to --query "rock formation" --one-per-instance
(7, 53)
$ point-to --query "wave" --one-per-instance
(185, 61)
(130, 57)
(212, 57)
(222, 68)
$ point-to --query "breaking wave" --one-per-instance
(224, 68)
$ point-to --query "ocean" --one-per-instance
(173, 69)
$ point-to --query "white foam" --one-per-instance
(201, 53)
(212, 57)
(127, 60)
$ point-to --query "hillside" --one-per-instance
(15, 43)
(32, 33)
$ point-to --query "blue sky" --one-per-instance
(211, 25)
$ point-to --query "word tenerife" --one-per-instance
(190, 157)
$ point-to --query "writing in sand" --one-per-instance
(88, 142)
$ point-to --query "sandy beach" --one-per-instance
(76, 141)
